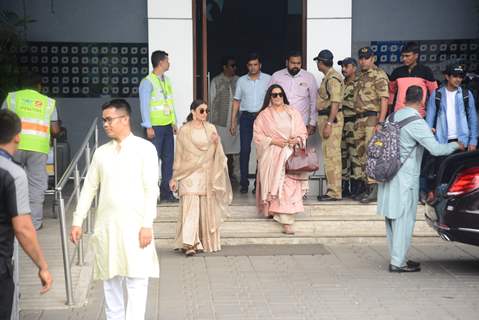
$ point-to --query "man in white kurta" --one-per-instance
(222, 89)
(125, 170)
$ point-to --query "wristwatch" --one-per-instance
(329, 123)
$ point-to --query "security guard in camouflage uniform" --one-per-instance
(371, 100)
(330, 124)
(351, 164)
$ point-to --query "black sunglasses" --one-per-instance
(201, 111)
(232, 65)
(275, 95)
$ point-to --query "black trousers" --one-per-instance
(7, 290)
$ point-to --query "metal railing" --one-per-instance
(62, 205)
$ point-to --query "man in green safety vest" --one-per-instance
(159, 119)
(39, 119)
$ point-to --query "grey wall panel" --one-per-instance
(415, 19)
(85, 20)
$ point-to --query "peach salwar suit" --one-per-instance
(204, 188)
(278, 194)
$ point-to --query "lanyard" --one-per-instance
(5, 154)
(162, 86)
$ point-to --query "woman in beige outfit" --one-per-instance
(200, 175)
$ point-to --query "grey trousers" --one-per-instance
(399, 233)
(34, 164)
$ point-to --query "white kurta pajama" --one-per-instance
(127, 175)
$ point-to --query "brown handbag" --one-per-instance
(302, 160)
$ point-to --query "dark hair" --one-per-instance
(294, 53)
(253, 56)
(225, 59)
(414, 94)
(195, 104)
(158, 56)
(118, 104)
(10, 126)
(32, 80)
(410, 46)
(267, 96)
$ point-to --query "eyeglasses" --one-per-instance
(275, 95)
(110, 120)
(201, 111)
(232, 65)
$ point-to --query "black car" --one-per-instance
(453, 211)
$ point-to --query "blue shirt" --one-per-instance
(251, 93)
(466, 126)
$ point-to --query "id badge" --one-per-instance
(166, 110)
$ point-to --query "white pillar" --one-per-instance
(170, 28)
(328, 27)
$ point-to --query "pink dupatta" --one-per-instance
(271, 158)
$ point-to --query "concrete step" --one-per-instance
(344, 210)
(332, 222)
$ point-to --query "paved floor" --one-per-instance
(50, 241)
(335, 282)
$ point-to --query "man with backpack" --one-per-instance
(451, 112)
(398, 193)
(452, 116)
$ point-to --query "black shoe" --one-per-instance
(372, 196)
(413, 264)
(253, 191)
(327, 198)
(244, 189)
(406, 268)
(172, 200)
(346, 192)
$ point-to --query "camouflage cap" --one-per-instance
(347, 61)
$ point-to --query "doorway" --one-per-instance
(235, 28)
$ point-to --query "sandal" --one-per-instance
(287, 229)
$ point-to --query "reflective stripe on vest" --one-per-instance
(161, 102)
(34, 110)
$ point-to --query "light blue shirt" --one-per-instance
(144, 92)
(466, 126)
(251, 93)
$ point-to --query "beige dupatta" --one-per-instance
(189, 158)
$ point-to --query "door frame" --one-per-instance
(204, 42)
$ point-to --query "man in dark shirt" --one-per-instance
(15, 219)
(411, 73)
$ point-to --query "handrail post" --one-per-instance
(64, 241)
(77, 195)
(55, 165)
(87, 163)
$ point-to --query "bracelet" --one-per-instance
(329, 123)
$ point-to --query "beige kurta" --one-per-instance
(203, 186)
(127, 176)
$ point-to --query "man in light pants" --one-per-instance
(39, 119)
(125, 170)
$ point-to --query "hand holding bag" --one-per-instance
(302, 160)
